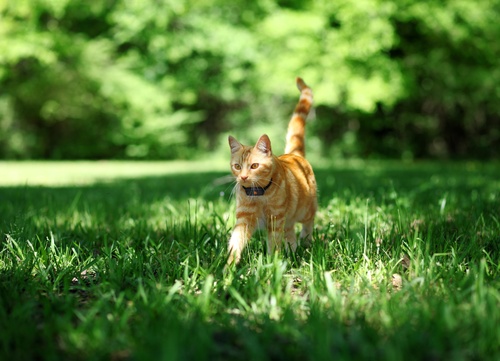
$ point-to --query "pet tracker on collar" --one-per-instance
(256, 191)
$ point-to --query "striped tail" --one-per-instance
(296, 127)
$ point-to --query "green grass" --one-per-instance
(125, 261)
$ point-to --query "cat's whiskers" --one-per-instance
(265, 181)
(275, 183)
(233, 191)
(231, 183)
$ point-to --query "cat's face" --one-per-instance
(252, 166)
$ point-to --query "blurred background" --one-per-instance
(165, 79)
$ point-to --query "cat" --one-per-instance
(276, 191)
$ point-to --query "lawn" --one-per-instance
(125, 261)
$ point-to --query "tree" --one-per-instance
(69, 91)
(168, 78)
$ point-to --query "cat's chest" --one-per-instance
(262, 207)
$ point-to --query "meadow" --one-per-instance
(125, 261)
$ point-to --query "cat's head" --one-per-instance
(252, 166)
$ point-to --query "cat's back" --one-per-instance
(298, 170)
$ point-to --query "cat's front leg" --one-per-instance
(306, 233)
(291, 237)
(242, 232)
(275, 233)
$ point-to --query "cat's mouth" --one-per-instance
(252, 182)
(246, 183)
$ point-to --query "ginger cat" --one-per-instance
(277, 191)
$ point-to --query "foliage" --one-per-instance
(406, 266)
(163, 79)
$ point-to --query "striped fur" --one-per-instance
(296, 126)
(291, 196)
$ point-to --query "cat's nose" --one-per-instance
(244, 177)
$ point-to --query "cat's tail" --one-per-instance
(295, 143)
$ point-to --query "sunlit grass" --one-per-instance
(85, 172)
(126, 261)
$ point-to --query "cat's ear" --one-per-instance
(234, 144)
(264, 145)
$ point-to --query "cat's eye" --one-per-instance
(237, 166)
(254, 165)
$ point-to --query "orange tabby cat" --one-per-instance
(277, 191)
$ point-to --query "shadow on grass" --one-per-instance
(466, 187)
(195, 208)
(174, 227)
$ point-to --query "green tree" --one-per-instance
(430, 88)
(68, 90)
(169, 78)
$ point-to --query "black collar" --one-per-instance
(256, 191)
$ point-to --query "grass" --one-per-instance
(124, 261)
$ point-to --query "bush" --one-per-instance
(165, 79)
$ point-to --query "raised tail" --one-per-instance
(295, 143)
